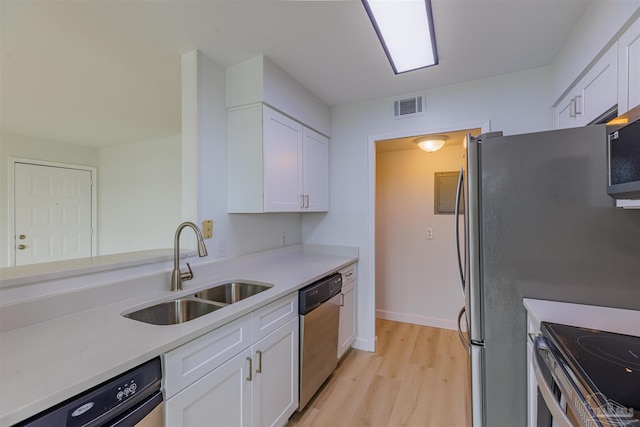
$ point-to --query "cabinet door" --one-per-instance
(629, 68)
(191, 361)
(315, 171)
(275, 385)
(282, 151)
(220, 398)
(565, 116)
(347, 329)
(599, 88)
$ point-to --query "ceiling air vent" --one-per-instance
(408, 107)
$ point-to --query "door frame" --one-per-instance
(11, 230)
(369, 329)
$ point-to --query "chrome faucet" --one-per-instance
(176, 276)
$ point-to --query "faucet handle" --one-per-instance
(187, 275)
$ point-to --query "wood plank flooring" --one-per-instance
(418, 376)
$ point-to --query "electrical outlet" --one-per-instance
(222, 248)
(429, 233)
(283, 238)
(207, 228)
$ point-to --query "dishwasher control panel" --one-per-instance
(318, 292)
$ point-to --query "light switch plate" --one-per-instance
(207, 228)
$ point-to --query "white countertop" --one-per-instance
(608, 319)
(47, 362)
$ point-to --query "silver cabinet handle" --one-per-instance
(341, 300)
(250, 377)
(348, 274)
(306, 201)
(302, 201)
(259, 354)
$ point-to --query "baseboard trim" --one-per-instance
(416, 319)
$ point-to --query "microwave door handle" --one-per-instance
(559, 416)
(457, 226)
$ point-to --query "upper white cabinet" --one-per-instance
(629, 68)
(275, 163)
(593, 95)
(260, 80)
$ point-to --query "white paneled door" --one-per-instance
(52, 213)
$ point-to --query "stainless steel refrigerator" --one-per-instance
(534, 221)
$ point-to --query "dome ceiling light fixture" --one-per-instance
(431, 143)
(405, 30)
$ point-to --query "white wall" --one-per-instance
(206, 143)
(35, 149)
(138, 195)
(514, 103)
(416, 278)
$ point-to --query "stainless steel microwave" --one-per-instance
(623, 159)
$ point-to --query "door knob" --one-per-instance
(22, 247)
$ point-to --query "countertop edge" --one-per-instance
(619, 320)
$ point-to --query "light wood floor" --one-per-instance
(418, 376)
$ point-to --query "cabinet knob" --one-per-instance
(22, 247)
(22, 237)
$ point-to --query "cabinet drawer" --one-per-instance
(270, 317)
(349, 273)
(193, 360)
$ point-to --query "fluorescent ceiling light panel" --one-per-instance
(405, 29)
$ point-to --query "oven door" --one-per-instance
(552, 407)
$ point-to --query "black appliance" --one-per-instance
(596, 374)
(624, 162)
(129, 399)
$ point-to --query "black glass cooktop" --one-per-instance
(607, 362)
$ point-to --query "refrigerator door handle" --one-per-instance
(465, 342)
(457, 225)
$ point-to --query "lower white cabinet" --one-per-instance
(347, 328)
(258, 386)
(220, 398)
(275, 378)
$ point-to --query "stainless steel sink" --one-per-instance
(229, 293)
(173, 312)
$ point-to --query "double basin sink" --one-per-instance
(203, 302)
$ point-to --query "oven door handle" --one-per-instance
(559, 415)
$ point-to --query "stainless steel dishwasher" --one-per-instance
(319, 316)
(130, 399)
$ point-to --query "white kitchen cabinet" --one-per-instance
(220, 398)
(315, 168)
(593, 95)
(347, 325)
(629, 68)
(275, 163)
(275, 378)
(209, 384)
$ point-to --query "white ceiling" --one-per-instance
(108, 72)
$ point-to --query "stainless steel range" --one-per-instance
(587, 377)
